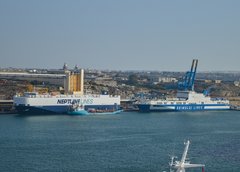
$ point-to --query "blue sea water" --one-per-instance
(125, 142)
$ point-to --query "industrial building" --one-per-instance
(57, 79)
(74, 82)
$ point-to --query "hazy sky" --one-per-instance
(120, 34)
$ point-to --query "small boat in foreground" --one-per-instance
(180, 166)
(77, 110)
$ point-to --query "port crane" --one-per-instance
(189, 78)
(180, 166)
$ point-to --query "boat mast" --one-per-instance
(180, 166)
(185, 152)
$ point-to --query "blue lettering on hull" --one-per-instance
(75, 101)
(189, 107)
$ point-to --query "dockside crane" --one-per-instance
(188, 80)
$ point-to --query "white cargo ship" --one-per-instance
(32, 103)
(187, 99)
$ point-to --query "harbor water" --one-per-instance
(126, 142)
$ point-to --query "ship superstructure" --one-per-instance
(187, 99)
(34, 103)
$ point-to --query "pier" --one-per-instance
(6, 106)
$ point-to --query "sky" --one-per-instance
(162, 35)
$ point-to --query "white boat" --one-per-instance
(180, 166)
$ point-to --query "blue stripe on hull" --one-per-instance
(167, 108)
(29, 110)
(58, 109)
(144, 108)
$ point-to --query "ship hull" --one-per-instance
(61, 104)
(57, 109)
(177, 108)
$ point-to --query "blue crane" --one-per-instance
(188, 80)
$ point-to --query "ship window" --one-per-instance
(184, 103)
(202, 102)
(179, 103)
(30, 94)
(159, 103)
(165, 103)
(172, 103)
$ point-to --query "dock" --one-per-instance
(235, 107)
(6, 106)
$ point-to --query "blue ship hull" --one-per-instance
(173, 108)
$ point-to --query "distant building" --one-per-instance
(208, 81)
(163, 79)
(218, 81)
(76, 68)
(167, 79)
(106, 82)
(237, 83)
(65, 67)
(88, 77)
(2, 96)
(46, 78)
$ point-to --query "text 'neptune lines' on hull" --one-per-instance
(32, 103)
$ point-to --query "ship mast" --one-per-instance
(180, 166)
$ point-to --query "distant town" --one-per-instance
(130, 85)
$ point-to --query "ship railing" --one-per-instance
(218, 99)
(31, 96)
(45, 96)
(65, 96)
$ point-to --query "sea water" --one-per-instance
(126, 142)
